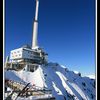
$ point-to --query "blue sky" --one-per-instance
(66, 30)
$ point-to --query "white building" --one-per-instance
(27, 54)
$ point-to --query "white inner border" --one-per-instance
(96, 44)
(3, 44)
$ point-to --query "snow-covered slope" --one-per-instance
(91, 76)
(65, 84)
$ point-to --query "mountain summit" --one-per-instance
(64, 84)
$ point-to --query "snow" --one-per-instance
(91, 76)
(76, 72)
(63, 82)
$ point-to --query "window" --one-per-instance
(18, 51)
(19, 54)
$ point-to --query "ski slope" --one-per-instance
(65, 84)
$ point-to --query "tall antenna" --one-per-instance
(35, 27)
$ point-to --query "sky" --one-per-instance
(66, 30)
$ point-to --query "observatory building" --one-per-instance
(33, 54)
(26, 54)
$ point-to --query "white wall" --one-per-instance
(15, 54)
(20, 53)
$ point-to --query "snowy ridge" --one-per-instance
(91, 76)
(65, 84)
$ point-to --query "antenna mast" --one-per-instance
(35, 27)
